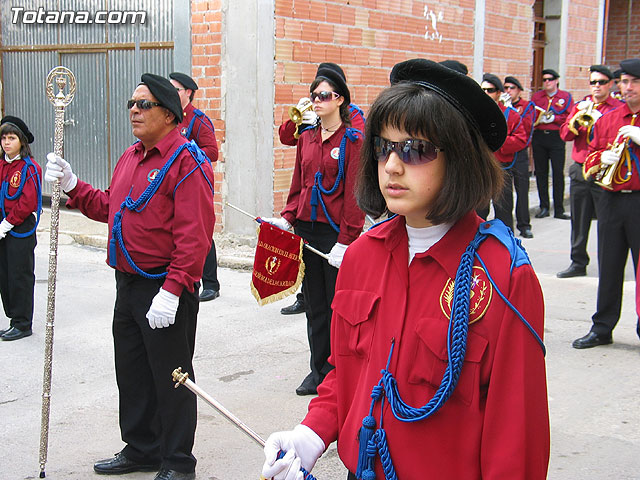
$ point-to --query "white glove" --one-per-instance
(505, 98)
(336, 254)
(309, 117)
(609, 158)
(583, 104)
(162, 311)
(547, 119)
(278, 222)
(629, 131)
(5, 227)
(59, 169)
(303, 448)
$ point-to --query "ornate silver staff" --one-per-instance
(63, 78)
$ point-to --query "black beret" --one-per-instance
(335, 74)
(617, 73)
(601, 69)
(513, 80)
(455, 65)
(631, 66)
(462, 92)
(550, 71)
(20, 125)
(493, 80)
(185, 80)
(164, 92)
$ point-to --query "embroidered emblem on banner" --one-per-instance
(152, 175)
(480, 296)
(15, 179)
(272, 264)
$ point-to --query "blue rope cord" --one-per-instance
(306, 475)
(318, 190)
(143, 200)
(4, 194)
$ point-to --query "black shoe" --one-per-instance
(166, 474)
(296, 307)
(121, 464)
(15, 334)
(591, 340)
(526, 233)
(308, 386)
(544, 212)
(4, 330)
(562, 216)
(209, 294)
(573, 271)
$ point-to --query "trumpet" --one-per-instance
(296, 112)
(546, 114)
(604, 177)
(584, 117)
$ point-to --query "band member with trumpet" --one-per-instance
(322, 208)
(616, 148)
(584, 194)
(159, 207)
(506, 155)
(520, 170)
(554, 106)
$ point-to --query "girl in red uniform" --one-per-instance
(20, 204)
(322, 208)
(438, 317)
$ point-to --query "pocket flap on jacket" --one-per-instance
(355, 306)
(433, 332)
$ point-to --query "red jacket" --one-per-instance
(581, 141)
(516, 136)
(19, 209)
(527, 111)
(174, 229)
(288, 128)
(496, 424)
(202, 132)
(560, 105)
(312, 156)
(605, 132)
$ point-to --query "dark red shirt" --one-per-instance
(516, 136)
(581, 141)
(605, 132)
(19, 209)
(176, 227)
(559, 105)
(313, 155)
(528, 113)
(202, 132)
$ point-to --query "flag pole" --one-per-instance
(306, 245)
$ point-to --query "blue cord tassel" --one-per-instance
(366, 434)
(314, 203)
(112, 241)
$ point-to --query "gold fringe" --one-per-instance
(285, 293)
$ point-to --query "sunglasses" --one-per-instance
(548, 79)
(490, 89)
(599, 82)
(510, 87)
(142, 104)
(323, 96)
(411, 152)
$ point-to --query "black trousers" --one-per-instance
(17, 277)
(549, 147)
(502, 206)
(520, 176)
(318, 288)
(157, 421)
(210, 270)
(584, 198)
(618, 232)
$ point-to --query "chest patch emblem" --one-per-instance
(335, 153)
(183, 132)
(561, 101)
(151, 176)
(480, 296)
(15, 179)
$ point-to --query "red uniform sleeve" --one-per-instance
(565, 133)
(515, 437)
(92, 202)
(193, 221)
(205, 137)
(286, 131)
(290, 209)
(517, 137)
(27, 202)
(352, 217)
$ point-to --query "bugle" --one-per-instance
(604, 177)
(584, 117)
(296, 113)
(543, 114)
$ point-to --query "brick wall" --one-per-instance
(206, 42)
(619, 46)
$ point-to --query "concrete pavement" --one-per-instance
(251, 359)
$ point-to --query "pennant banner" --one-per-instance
(278, 268)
